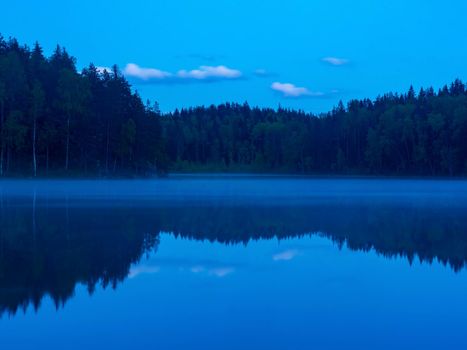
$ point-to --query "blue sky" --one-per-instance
(298, 53)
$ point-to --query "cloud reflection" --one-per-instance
(286, 255)
(220, 271)
(143, 269)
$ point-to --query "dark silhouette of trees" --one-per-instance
(406, 134)
(57, 121)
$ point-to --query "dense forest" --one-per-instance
(56, 121)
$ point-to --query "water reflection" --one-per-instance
(47, 247)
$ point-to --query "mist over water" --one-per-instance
(232, 260)
(272, 190)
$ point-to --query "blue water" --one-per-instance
(195, 262)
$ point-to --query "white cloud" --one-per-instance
(335, 61)
(285, 255)
(135, 71)
(290, 90)
(203, 73)
(210, 72)
(261, 71)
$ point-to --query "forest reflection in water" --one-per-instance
(48, 246)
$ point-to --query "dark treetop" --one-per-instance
(55, 121)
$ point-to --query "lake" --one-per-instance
(233, 262)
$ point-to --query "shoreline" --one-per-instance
(237, 175)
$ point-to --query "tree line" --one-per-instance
(397, 134)
(56, 121)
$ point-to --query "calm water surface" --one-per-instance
(195, 262)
